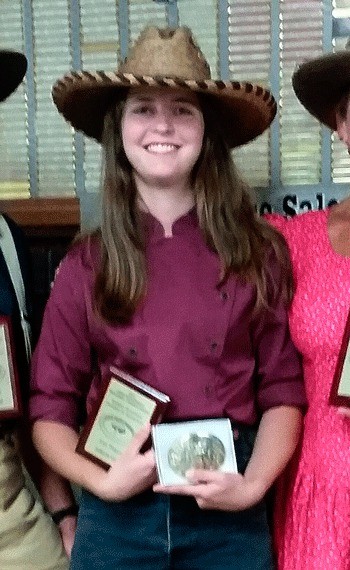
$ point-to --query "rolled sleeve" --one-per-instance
(279, 364)
(62, 365)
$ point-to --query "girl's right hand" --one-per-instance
(131, 473)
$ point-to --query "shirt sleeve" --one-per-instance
(62, 364)
(279, 365)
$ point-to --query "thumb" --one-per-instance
(196, 476)
(140, 438)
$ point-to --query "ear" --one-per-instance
(342, 127)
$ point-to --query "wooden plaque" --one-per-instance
(10, 399)
(340, 391)
(124, 405)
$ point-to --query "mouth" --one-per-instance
(161, 148)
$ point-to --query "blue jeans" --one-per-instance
(160, 532)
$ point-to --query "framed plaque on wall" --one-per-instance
(340, 391)
(10, 399)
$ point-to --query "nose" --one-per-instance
(164, 122)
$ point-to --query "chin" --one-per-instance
(165, 179)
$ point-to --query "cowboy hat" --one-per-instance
(13, 66)
(164, 58)
(321, 83)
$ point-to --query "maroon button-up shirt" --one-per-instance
(198, 343)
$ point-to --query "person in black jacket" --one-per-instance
(29, 537)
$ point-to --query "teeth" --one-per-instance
(160, 147)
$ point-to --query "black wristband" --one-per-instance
(58, 516)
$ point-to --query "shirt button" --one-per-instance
(224, 295)
(207, 390)
(213, 346)
(133, 352)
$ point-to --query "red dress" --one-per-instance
(312, 518)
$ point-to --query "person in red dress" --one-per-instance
(313, 498)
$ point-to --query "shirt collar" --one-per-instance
(181, 225)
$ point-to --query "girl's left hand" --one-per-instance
(217, 490)
(67, 528)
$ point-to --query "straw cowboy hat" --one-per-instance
(321, 83)
(164, 58)
(13, 66)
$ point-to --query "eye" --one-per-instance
(184, 110)
(142, 110)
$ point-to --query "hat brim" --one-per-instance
(245, 110)
(13, 66)
(321, 83)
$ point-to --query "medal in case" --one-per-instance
(198, 444)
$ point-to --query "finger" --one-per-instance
(203, 476)
(344, 412)
(203, 503)
(149, 456)
(147, 462)
(185, 490)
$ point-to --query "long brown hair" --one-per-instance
(226, 215)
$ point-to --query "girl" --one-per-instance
(182, 287)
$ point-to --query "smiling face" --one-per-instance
(162, 133)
